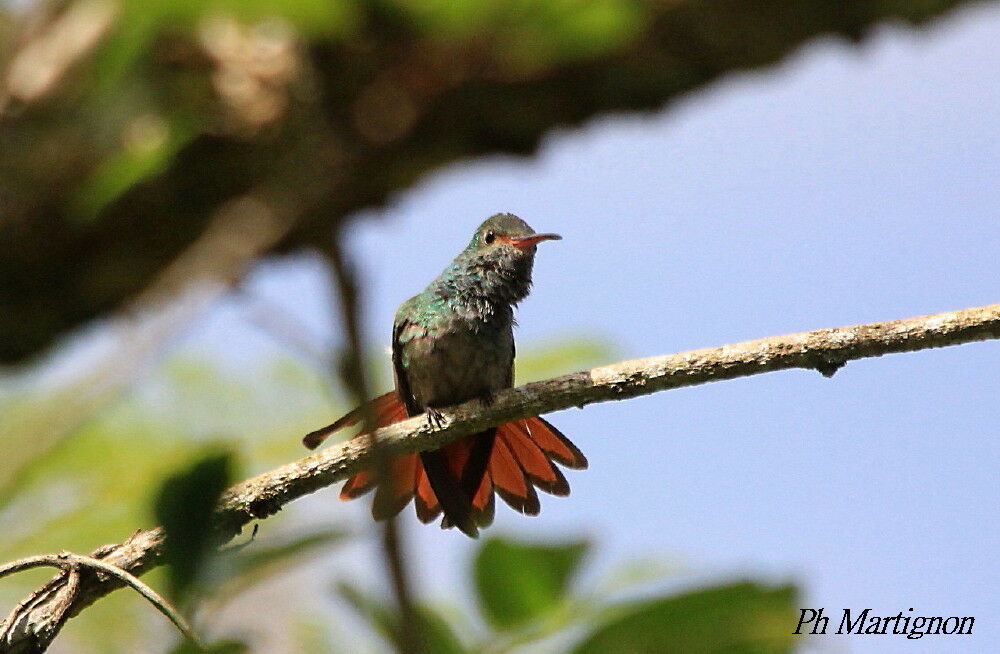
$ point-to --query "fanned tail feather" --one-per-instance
(533, 461)
(554, 443)
(386, 409)
(425, 501)
(483, 505)
(510, 461)
(511, 482)
(392, 496)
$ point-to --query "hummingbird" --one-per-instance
(451, 343)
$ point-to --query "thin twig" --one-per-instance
(824, 350)
(353, 373)
(276, 321)
(235, 236)
(239, 547)
(72, 562)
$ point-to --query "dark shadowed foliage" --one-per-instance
(264, 124)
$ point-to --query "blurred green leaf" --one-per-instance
(141, 22)
(553, 30)
(742, 617)
(115, 462)
(157, 114)
(254, 563)
(637, 572)
(519, 582)
(378, 614)
(437, 634)
(151, 142)
(110, 467)
(221, 647)
(184, 507)
(541, 361)
(312, 632)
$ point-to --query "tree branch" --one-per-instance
(71, 564)
(824, 350)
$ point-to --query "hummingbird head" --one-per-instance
(506, 235)
(495, 268)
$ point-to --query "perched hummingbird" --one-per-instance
(452, 343)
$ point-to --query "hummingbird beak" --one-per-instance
(525, 242)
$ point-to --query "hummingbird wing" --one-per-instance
(510, 460)
(442, 468)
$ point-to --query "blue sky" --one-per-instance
(847, 185)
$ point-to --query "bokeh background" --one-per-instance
(853, 181)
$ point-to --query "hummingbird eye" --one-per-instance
(489, 237)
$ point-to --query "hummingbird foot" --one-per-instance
(435, 418)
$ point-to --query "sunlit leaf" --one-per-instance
(151, 142)
(633, 573)
(540, 361)
(742, 617)
(312, 632)
(519, 582)
(553, 30)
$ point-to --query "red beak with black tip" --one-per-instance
(525, 242)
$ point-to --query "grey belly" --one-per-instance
(456, 367)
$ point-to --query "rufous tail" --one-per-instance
(511, 461)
